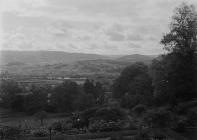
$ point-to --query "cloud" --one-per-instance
(134, 37)
(115, 36)
(152, 38)
(114, 31)
(133, 45)
(89, 26)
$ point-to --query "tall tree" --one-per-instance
(99, 93)
(179, 64)
(182, 37)
(8, 91)
(64, 96)
(35, 102)
(94, 89)
(89, 86)
(133, 83)
(182, 43)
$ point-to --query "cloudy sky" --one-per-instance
(87, 26)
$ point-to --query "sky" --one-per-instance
(111, 27)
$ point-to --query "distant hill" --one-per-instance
(55, 57)
(137, 58)
(45, 57)
(66, 64)
(82, 68)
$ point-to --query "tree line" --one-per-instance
(66, 97)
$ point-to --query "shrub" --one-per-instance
(100, 126)
(160, 118)
(132, 126)
(41, 116)
(157, 134)
(139, 109)
(84, 118)
(40, 133)
(57, 126)
(110, 114)
(180, 123)
(61, 126)
(105, 113)
(192, 121)
(66, 125)
(116, 137)
(142, 136)
(10, 132)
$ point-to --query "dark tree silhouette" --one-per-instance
(179, 65)
(133, 83)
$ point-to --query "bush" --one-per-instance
(130, 101)
(131, 126)
(61, 126)
(192, 115)
(66, 126)
(180, 123)
(107, 114)
(116, 137)
(110, 114)
(100, 126)
(57, 126)
(142, 136)
(160, 118)
(139, 109)
(83, 119)
(41, 116)
(10, 132)
(40, 133)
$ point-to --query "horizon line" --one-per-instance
(1, 50)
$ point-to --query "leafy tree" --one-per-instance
(84, 101)
(41, 116)
(8, 90)
(182, 36)
(89, 86)
(17, 103)
(99, 93)
(64, 96)
(35, 101)
(94, 89)
(133, 81)
(175, 74)
(160, 68)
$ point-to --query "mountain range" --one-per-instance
(66, 64)
(45, 57)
